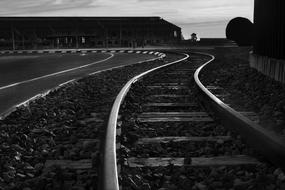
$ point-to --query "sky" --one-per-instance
(207, 18)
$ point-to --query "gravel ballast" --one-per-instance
(260, 176)
(67, 124)
(248, 89)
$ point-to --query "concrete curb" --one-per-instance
(69, 51)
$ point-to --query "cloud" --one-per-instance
(38, 7)
(58, 2)
(181, 12)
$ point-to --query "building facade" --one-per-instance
(18, 33)
(269, 38)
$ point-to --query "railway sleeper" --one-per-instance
(175, 119)
(154, 140)
(177, 87)
(170, 84)
(163, 137)
(236, 160)
(158, 105)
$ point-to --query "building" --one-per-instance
(269, 38)
(85, 32)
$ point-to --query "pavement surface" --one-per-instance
(24, 76)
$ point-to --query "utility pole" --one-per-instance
(13, 37)
(120, 33)
(76, 34)
(107, 38)
(23, 42)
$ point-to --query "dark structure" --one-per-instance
(269, 38)
(240, 30)
(269, 23)
(85, 32)
(194, 37)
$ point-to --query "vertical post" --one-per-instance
(120, 33)
(77, 43)
(76, 35)
(23, 42)
(35, 41)
(106, 40)
(13, 37)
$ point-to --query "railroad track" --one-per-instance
(160, 137)
(53, 141)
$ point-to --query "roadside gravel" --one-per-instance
(52, 127)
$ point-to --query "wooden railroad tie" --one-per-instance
(174, 116)
(192, 162)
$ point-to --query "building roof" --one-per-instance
(82, 19)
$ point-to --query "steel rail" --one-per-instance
(266, 142)
(109, 174)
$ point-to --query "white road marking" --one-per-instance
(116, 67)
(29, 100)
(62, 84)
(26, 102)
(57, 73)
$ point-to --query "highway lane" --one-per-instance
(16, 68)
(14, 95)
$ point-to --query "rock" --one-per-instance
(239, 184)
(39, 167)
(220, 141)
(145, 186)
(158, 175)
(240, 173)
(201, 186)
(166, 177)
(183, 177)
(89, 145)
(270, 187)
(280, 122)
(278, 113)
(281, 176)
(216, 184)
(21, 175)
(213, 173)
(73, 139)
(282, 186)
(283, 132)
(78, 187)
(277, 171)
(30, 175)
(132, 183)
(8, 176)
(27, 188)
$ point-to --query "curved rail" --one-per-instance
(109, 171)
(266, 142)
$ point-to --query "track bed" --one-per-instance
(167, 140)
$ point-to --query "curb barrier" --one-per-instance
(83, 51)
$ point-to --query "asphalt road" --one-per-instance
(24, 76)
